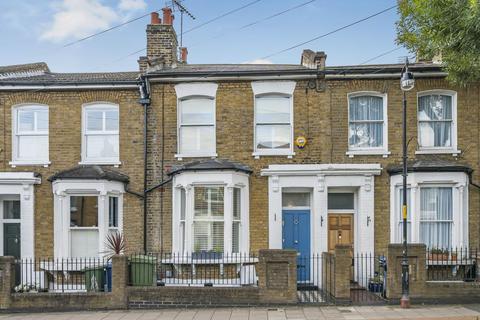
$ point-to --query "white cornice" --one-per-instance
(19, 178)
(321, 169)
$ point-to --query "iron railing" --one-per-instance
(316, 278)
(459, 264)
(369, 278)
(62, 275)
(193, 269)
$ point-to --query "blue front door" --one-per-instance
(296, 235)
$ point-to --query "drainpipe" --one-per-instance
(145, 101)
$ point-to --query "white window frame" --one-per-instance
(99, 106)
(453, 149)
(382, 150)
(15, 135)
(229, 180)
(273, 88)
(458, 181)
(63, 190)
(186, 91)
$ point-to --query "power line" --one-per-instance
(380, 55)
(222, 16)
(107, 30)
(258, 21)
(330, 32)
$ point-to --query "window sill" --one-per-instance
(257, 154)
(29, 163)
(383, 153)
(453, 152)
(181, 156)
(101, 163)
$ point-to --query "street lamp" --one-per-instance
(406, 83)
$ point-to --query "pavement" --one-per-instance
(464, 312)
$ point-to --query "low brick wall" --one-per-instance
(421, 290)
(162, 297)
(61, 301)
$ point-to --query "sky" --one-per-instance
(37, 30)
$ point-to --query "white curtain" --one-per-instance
(436, 215)
(366, 122)
(435, 120)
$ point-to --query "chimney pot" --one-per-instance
(155, 18)
(167, 16)
(183, 54)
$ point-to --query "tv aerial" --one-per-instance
(183, 10)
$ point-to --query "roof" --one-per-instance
(274, 69)
(90, 172)
(23, 70)
(38, 74)
(210, 165)
(433, 165)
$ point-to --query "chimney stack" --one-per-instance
(162, 45)
(183, 54)
(313, 60)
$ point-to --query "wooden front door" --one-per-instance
(340, 230)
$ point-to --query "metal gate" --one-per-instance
(369, 279)
(316, 280)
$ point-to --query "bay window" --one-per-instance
(437, 121)
(30, 135)
(437, 209)
(367, 115)
(85, 212)
(210, 212)
(101, 133)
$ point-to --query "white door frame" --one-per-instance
(20, 184)
(321, 177)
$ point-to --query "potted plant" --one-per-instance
(437, 254)
(114, 244)
(375, 284)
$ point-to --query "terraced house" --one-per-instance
(239, 157)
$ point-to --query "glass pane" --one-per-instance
(436, 204)
(207, 236)
(42, 120)
(94, 120)
(236, 203)
(113, 212)
(26, 120)
(84, 243)
(236, 237)
(84, 211)
(209, 202)
(435, 134)
(272, 109)
(102, 146)
(111, 120)
(436, 234)
(435, 107)
(197, 111)
(340, 201)
(197, 140)
(366, 108)
(273, 137)
(366, 135)
(296, 199)
(11, 209)
(32, 148)
(182, 204)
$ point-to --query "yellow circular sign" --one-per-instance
(300, 142)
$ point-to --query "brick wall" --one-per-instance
(65, 116)
(323, 118)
